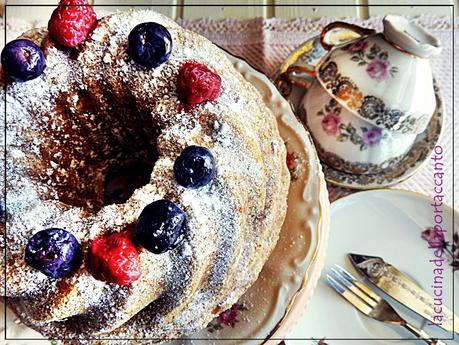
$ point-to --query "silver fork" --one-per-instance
(370, 304)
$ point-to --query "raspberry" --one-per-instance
(114, 258)
(197, 84)
(70, 24)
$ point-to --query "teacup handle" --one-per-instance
(342, 25)
(300, 75)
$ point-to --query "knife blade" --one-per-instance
(401, 288)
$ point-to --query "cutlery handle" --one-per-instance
(422, 335)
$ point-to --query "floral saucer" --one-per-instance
(293, 87)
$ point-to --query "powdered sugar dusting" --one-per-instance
(98, 110)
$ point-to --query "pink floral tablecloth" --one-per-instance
(265, 43)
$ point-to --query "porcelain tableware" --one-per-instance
(384, 78)
(371, 96)
(386, 223)
(347, 142)
(404, 290)
(369, 303)
(293, 83)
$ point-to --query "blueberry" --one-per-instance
(2, 211)
(23, 60)
(149, 44)
(195, 167)
(55, 252)
(161, 226)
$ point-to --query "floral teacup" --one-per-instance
(348, 143)
(383, 78)
(372, 95)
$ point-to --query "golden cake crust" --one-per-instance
(95, 110)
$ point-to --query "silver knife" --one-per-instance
(398, 286)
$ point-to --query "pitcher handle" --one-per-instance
(342, 25)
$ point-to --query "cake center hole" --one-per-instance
(121, 182)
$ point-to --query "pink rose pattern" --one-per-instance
(376, 60)
(332, 125)
(436, 240)
(228, 318)
(294, 164)
(358, 46)
(378, 69)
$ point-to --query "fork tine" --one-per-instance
(334, 284)
(382, 311)
(349, 296)
(349, 285)
(357, 283)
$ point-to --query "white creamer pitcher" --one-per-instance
(384, 78)
(372, 95)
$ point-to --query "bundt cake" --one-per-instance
(146, 181)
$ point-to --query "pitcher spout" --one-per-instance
(409, 37)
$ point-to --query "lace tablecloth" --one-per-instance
(265, 43)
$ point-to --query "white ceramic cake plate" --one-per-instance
(308, 55)
(385, 223)
(269, 309)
